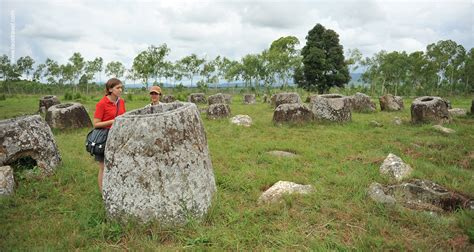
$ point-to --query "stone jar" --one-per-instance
(68, 116)
(285, 98)
(331, 107)
(46, 102)
(157, 165)
(430, 109)
(389, 102)
(29, 136)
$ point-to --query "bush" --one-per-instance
(3, 97)
(67, 96)
(129, 97)
(77, 96)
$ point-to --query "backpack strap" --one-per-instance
(118, 104)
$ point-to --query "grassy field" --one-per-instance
(65, 211)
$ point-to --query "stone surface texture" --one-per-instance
(47, 101)
(389, 102)
(158, 166)
(421, 195)
(376, 193)
(28, 136)
(68, 116)
(457, 112)
(428, 109)
(361, 103)
(7, 181)
(276, 192)
(228, 98)
(285, 98)
(292, 113)
(394, 167)
(168, 99)
(241, 120)
(197, 98)
(278, 153)
(218, 110)
(331, 107)
(443, 129)
(249, 98)
(217, 98)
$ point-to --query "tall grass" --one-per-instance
(65, 211)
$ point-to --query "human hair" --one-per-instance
(111, 83)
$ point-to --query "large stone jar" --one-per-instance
(430, 109)
(157, 165)
(28, 136)
(331, 107)
(68, 116)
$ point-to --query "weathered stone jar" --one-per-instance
(68, 116)
(28, 136)
(284, 98)
(429, 109)
(331, 107)
(46, 102)
(157, 165)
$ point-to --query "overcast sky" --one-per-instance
(119, 30)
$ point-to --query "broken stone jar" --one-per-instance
(157, 165)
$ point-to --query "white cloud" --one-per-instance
(119, 30)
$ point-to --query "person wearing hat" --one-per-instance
(155, 95)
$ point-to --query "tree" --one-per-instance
(468, 75)
(25, 65)
(282, 58)
(38, 73)
(4, 66)
(53, 71)
(115, 69)
(323, 61)
(141, 68)
(77, 64)
(447, 57)
(191, 66)
(67, 73)
(353, 59)
(208, 72)
(156, 58)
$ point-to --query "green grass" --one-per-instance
(65, 211)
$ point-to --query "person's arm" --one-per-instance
(99, 124)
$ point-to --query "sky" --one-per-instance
(119, 30)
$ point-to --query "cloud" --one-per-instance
(119, 30)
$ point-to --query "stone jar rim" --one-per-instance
(180, 106)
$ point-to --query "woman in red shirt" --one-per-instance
(109, 107)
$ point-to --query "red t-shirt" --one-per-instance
(105, 109)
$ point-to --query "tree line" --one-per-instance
(445, 66)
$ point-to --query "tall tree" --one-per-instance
(39, 72)
(447, 57)
(142, 68)
(77, 63)
(323, 61)
(468, 75)
(283, 58)
(25, 65)
(53, 71)
(115, 69)
(191, 65)
(4, 66)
